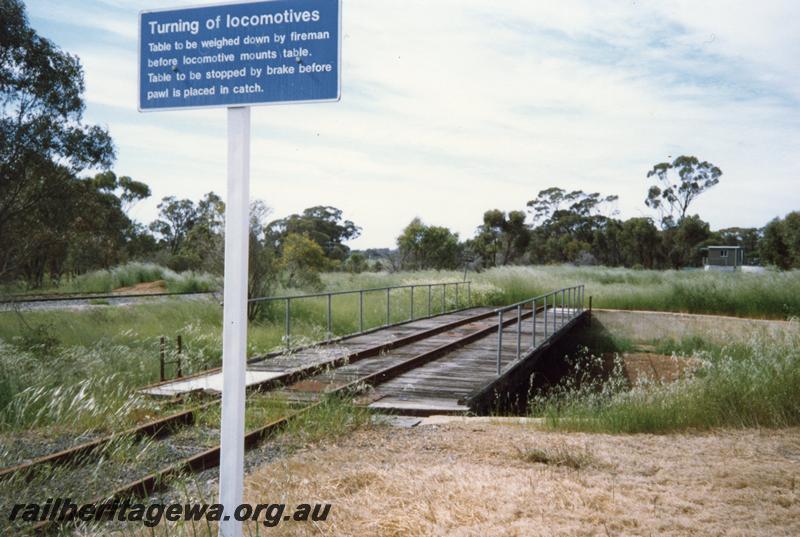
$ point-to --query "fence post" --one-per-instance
(161, 353)
(360, 310)
(533, 316)
(412, 302)
(429, 299)
(519, 328)
(563, 306)
(469, 294)
(330, 317)
(388, 307)
(444, 306)
(499, 339)
(180, 353)
(288, 324)
(457, 304)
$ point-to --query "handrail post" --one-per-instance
(360, 310)
(388, 307)
(457, 304)
(545, 316)
(499, 339)
(569, 301)
(519, 328)
(287, 323)
(412, 303)
(429, 299)
(444, 294)
(563, 291)
(571, 308)
(559, 311)
(469, 294)
(330, 317)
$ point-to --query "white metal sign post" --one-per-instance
(236, 55)
(234, 317)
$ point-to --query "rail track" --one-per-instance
(199, 460)
(16, 299)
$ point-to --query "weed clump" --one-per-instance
(756, 384)
(561, 455)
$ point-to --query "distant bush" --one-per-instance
(192, 282)
(105, 281)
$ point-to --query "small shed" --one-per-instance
(723, 257)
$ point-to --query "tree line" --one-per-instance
(560, 226)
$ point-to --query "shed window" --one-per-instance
(723, 253)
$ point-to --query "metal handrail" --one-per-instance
(571, 300)
(287, 299)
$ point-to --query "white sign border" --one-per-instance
(208, 106)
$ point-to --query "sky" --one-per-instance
(453, 107)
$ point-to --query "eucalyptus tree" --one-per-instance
(44, 142)
(677, 185)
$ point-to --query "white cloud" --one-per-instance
(450, 108)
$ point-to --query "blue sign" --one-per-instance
(268, 52)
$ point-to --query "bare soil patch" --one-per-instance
(642, 367)
(483, 479)
(158, 286)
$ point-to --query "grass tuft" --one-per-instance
(561, 455)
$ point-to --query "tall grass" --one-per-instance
(76, 369)
(770, 295)
(64, 355)
(752, 384)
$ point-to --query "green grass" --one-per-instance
(751, 384)
(48, 358)
(78, 367)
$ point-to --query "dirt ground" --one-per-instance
(640, 367)
(158, 286)
(484, 478)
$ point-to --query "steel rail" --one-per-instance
(61, 298)
(210, 457)
(166, 425)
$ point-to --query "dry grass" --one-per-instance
(469, 479)
(575, 457)
(717, 329)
